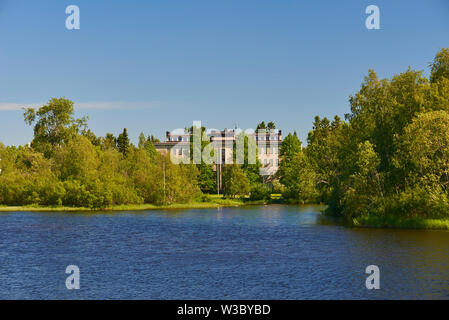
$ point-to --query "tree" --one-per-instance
(123, 143)
(289, 149)
(423, 154)
(271, 125)
(261, 126)
(142, 140)
(54, 123)
(440, 66)
(299, 180)
(390, 157)
(147, 144)
(290, 146)
(96, 141)
(109, 141)
(77, 159)
(366, 185)
(206, 178)
(206, 175)
(235, 181)
(250, 164)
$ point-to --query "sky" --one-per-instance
(153, 66)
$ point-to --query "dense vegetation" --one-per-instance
(68, 165)
(389, 159)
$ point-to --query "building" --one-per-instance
(268, 143)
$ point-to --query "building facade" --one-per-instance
(177, 145)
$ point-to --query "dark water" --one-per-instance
(263, 252)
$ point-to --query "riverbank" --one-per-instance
(400, 223)
(214, 202)
(219, 202)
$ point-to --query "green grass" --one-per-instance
(400, 223)
(213, 201)
(217, 201)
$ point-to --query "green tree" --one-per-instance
(440, 66)
(366, 183)
(109, 141)
(299, 180)
(54, 123)
(271, 125)
(77, 159)
(423, 154)
(235, 181)
(261, 126)
(250, 164)
(147, 144)
(123, 144)
(289, 149)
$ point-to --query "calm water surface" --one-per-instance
(260, 252)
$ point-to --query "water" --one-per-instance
(257, 252)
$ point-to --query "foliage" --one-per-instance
(54, 124)
(260, 191)
(123, 142)
(235, 181)
(391, 157)
(67, 165)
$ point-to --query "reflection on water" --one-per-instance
(254, 252)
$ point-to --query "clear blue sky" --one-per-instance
(153, 66)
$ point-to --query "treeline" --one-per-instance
(66, 164)
(389, 158)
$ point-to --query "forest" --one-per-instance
(388, 157)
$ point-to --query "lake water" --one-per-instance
(256, 252)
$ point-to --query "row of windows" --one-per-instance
(178, 139)
(185, 152)
(272, 138)
(272, 150)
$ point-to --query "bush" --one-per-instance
(260, 191)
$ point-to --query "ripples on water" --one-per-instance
(257, 252)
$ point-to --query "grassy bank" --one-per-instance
(212, 202)
(400, 223)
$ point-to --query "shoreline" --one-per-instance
(361, 222)
(135, 207)
(400, 223)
